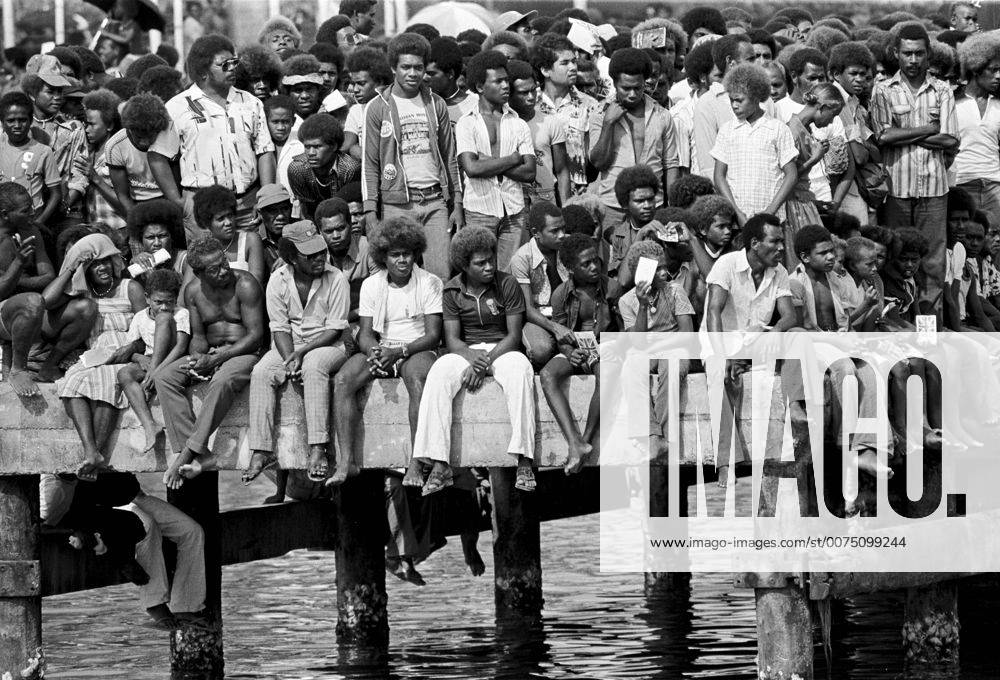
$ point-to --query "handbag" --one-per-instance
(871, 177)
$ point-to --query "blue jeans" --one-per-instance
(433, 215)
(511, 232)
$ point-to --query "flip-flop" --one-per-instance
(438, 481)
(525, 480)
(270, 460)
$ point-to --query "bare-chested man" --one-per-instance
(26, 270)
(227, 329)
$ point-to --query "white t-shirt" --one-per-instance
(954, 263)
(415, 145)
(143, 327)
(546, 131)
(405, 311)
(355, 120)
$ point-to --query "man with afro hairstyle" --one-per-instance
(280, 36)
(632, 130)
(220, 133)
(144, 117)
(977, 165)
(361, 14)
(322, 169)
(915, 146)
(409, 162)
(702, 21)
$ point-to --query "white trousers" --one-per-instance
(163, 520)
(444, 381)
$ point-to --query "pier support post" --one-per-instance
(20, 578)
(517, 552)
(784, 634)
(196, 650)
(362, 617)
(930, 626)
(667, 583)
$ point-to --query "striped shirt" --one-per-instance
(659, 147)
(915, 172)
(501, 195)
(216, 145)
(979, 154)
(754, 154)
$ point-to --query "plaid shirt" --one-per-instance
(574, 112)
(915, 172)
(754, 154)
(98, 209)
(68, 142)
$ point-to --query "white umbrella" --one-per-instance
(451, 18)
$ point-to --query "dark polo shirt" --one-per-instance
(483, 318)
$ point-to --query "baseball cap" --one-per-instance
(511, 18)
(271, 194)
(48, 68)
(305, 237)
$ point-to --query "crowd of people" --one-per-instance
(445, 209)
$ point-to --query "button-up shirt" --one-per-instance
(326, 308)
(529, 266)
(499, 195)
(573, 111)
(567, 301)
(68, 142)
(712, 110)
(748, 305)
(915, 172)
(659, 148)
(754, 154)
(979, 154)
(217, 145)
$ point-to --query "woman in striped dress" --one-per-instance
(93, 269)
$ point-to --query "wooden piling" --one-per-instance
(362, 617)
(784, 634)
(659, 584)
(20, 592)
(931, 627)
(196, 651)
(517, 552)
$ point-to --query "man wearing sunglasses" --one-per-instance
(219, 134)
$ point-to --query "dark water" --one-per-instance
(280, 616)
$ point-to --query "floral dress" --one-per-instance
(100, 383)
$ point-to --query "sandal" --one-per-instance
(438, 481)
(525, 480)
(270, 460)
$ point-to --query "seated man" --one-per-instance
(483, 318)
(349, 251)
(400, 318)
(635, 189)
(307, 300)
(26, 271)
(538, 270)
(227, 330)
(584, 304)
(275, 208)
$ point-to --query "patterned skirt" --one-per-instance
(797, 215)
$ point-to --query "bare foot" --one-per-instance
(47, 374)
(868, 462)
(319, 463)
(578, 453)
(22, 383)
(415, 474)
(194, 468)
(723, 481)
(92, 461)
(153, 435)
(259, 461)
(473, 559)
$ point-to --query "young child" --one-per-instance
(215, 212)
(279, 112)
(977, 238)
(713, 221)
(970, 307)
(161, 333)
(101, 121)
(586, 305)
(26, 161)
(861, 288)
(819, 307)
(754, 154)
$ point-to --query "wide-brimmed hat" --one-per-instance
(511, 18)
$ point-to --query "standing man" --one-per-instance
(219, 132)
(554, 57)
(977, 165)
(227, 329)
(409, 165)
(913, 117)
(496, 153)
(632, 130)
(361, 14)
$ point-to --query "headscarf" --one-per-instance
(100, 247)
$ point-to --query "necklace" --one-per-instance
(102, 293)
